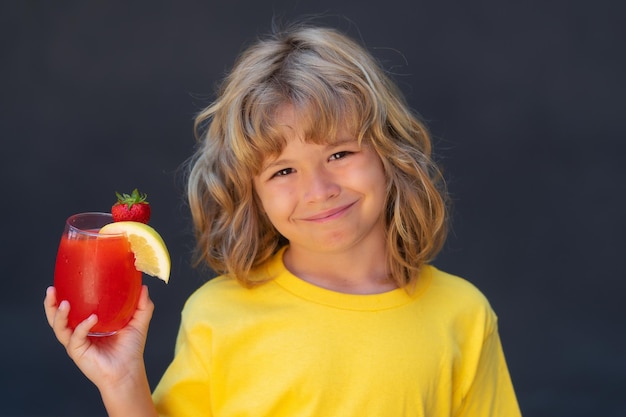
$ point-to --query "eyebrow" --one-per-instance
(343, 141)
(279, 162)
(275, 163)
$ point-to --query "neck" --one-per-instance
(351, 271)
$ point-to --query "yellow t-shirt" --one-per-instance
(289, 348)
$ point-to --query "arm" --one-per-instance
(114, 363)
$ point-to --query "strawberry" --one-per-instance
(133, 207)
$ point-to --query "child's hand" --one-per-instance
(109, 362)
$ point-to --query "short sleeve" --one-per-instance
(490, 393)
(184, 388)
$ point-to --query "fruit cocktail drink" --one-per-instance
(96, 274)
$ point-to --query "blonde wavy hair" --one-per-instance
(332, 82)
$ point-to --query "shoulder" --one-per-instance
(457, 298)
(214, 294)
(225, 296)
(452, 285)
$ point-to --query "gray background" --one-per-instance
(525, 100)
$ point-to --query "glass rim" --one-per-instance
(76, 229)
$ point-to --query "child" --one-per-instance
(315, 197)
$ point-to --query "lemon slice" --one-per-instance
(151, 255)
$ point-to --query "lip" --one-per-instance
(329, 214)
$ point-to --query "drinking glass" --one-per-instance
(96, 274)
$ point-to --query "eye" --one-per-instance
(339, 155)
(283, 172)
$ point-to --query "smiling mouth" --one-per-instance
(329, 214)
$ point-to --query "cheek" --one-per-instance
(378, 184)
(370, 175)
(275, 205)
(260, 193)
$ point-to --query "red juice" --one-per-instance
(96, 274)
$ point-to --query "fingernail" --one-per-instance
(63, 305)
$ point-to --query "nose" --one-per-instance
(320, 185)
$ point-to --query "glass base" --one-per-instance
(101, 334)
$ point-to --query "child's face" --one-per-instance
(323, 197)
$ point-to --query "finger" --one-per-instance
(145, 304)
(145, 308)
(83, 328)
(78, 341)
(59, 323)
(50, 304)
